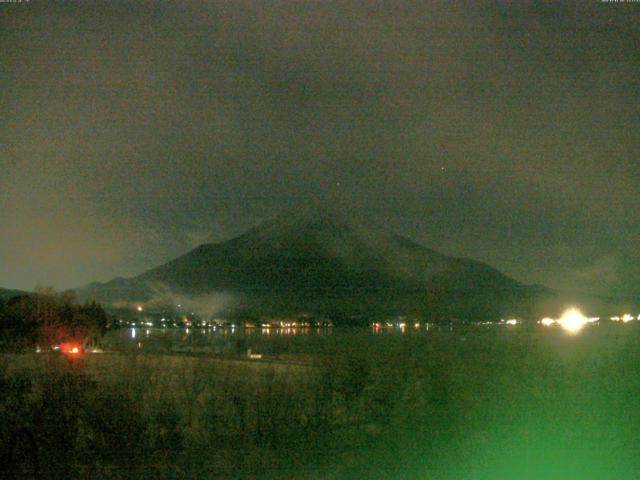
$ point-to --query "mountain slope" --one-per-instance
(324, 262)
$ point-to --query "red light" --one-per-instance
(70, 348)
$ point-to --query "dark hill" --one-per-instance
(332, 265)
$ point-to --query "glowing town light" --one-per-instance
(512, 321)
(70, 348)
(615, 319)
(572, 320)
(139, 308)
(133, 333)
(627, 318)
(547, 322)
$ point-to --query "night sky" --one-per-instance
(507, 132)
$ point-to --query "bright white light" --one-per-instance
(139, 308)
(615, 319)
(547, 322)
(627, 318)
(133, 333)
(573, 320)
(512, 321)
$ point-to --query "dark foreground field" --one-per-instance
(469, 404)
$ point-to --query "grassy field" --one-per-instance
(466, 404)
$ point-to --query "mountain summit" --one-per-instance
(329, 263)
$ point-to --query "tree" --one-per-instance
(19, 326)
(47, 318)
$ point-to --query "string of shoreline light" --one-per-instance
(572, 320)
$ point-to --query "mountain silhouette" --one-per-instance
(331, 263)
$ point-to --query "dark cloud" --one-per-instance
(503, 131)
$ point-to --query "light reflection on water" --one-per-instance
(276, 339)
(211, 340)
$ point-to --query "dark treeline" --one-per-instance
(47, 317)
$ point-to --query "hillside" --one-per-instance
(329, 264)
